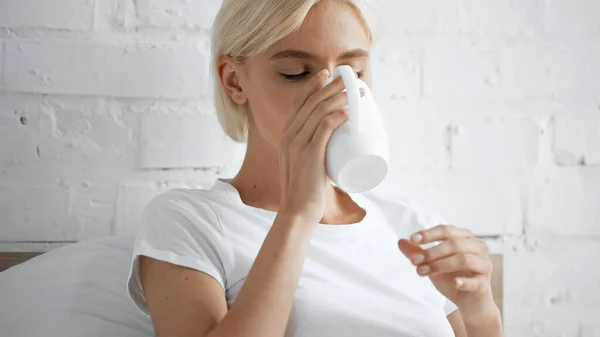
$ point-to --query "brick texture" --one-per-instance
(573, 18)
(532, 72)
(492, 107)
(580, 150)
(175, 15)
(184, 142)
(83, 68)
(574, 194)
(36, 213)
(546, 300)
(47, 14)
(493, 145)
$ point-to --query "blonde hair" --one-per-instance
(244, 28)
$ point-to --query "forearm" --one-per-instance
(264, 303)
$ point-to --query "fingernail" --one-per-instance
(324, 73)
(418, 259)
(416, 238)
(423, 270)
(459, 282)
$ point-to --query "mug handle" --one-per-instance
(353, 91)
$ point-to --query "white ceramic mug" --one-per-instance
(358, 152)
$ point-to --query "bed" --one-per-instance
(80, 290)
(8, 260)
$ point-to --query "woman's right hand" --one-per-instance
(302, 148)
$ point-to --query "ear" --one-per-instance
(229, 75)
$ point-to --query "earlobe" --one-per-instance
(230, 81)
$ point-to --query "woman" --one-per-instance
(279, 251)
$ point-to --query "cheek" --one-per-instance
(272, 105)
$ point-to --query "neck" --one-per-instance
(258, 180)
(259, 185)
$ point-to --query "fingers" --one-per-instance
(336, 103)
(440, 233)
(409, 249)
(474, 284)
(326, 127)
(451, 247)
(316, 94)
(314, 84)
(463, 262)
(325, 93)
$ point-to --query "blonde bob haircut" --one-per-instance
(244, 28)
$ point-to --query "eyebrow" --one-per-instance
(300, 54)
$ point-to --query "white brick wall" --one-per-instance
(508, 17)
(547, 299)
(574, 195)
(87, 68)
(583, 150)
(495, 145)
(493, 108)
(31, 213)
(185, 142)
(573, 18)
(548, 70)
(47, 14)
(175, 14)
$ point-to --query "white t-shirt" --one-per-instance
(354, 282)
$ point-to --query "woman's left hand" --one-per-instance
(459, 267)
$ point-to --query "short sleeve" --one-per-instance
(449, 307)
(181, 228)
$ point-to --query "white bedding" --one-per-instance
(75, 291)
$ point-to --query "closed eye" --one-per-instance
(297, 77)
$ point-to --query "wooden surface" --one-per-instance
(498, 280)
(8, 260)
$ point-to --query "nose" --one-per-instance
(330, 69)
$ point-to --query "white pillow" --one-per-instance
(74, 291)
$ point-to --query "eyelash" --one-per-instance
(298, 77)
